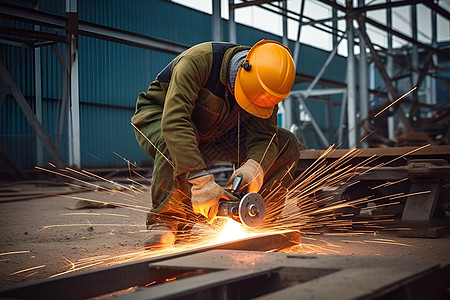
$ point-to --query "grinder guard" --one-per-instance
(249, 210)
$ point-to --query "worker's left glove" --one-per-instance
(252, 176)
(205, 196)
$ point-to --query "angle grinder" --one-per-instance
(249, 210)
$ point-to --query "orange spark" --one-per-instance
(367, 135)
(15, 252)
(404, 95)
(25, 270)
(412, 194)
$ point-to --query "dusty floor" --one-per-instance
(42, 237)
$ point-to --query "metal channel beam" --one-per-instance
(123, 276)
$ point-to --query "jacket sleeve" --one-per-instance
(189, 74)
(262, 139)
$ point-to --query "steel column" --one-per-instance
(351, 86)
(231, 23)
(334, 26)
(62, 108)
(434, 58)
(216, 21)
(38, 94)
(414, 112)
(390, 70)
(72, 59)
(283, 5)
(363, 95)
(297, 43)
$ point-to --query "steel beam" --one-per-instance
(435, 7)
(35, 34)
(89, 29)
(38, 94)
(390, 71)
(31, 117)
(365, 8)
(123, 276)
(385, 28)
(216, 21)
(403, 36)
(250, 3)
(285, 40)
(74, 108)
(129, 38)
(363, 95)
(231, 24)
(317, 92)
(351, 83)
(297, 42)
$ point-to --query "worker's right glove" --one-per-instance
(205, 195)
(252, 176)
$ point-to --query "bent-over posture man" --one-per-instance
(215, 102)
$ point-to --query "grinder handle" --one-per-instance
(236, 183)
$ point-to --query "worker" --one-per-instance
(215, 102)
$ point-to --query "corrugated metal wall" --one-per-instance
(111, 76)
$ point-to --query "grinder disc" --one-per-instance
(252, 209)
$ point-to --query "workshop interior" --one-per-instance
(366, 214)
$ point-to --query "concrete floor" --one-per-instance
(45, 236)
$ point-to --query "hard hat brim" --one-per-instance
(248, 106)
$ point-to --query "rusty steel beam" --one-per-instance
(99, 282)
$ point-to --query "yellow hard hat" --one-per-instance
(265, 78)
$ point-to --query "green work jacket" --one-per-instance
(198, 107)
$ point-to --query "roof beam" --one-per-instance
(250, 3)
(443, 12)
(387, 5)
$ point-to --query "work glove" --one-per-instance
(205, 195)
(252, 176)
